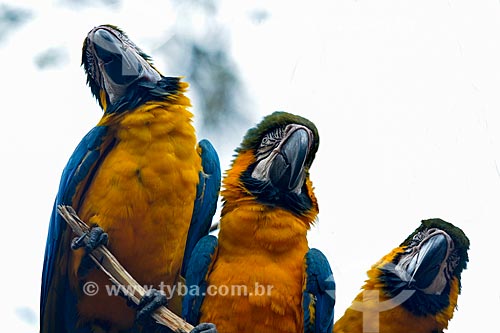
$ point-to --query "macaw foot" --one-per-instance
(149, 303)
(90, 240)
(204, 328)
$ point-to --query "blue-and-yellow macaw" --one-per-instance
(140, 177)
(260, 275)
(415, 287)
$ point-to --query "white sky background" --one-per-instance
(405, 96)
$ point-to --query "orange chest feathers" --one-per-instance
(258, 276)
(143, 191)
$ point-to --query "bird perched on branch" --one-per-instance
(140, 178)
(414, 288)
(260, 275)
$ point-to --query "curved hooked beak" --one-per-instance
(117, 62)
(287, 169)
(425, 265)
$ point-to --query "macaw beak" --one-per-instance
(114, 62)
(120, 63)
(287, 170)
(425, 266)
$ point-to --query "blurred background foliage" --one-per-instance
(196, 47)
(11, 18)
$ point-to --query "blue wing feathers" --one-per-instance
(74, 179)
(202, 257)
(78, 168)
(210, 162)
(320, 289)
(207, 194)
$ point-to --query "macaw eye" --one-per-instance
(271, 138)
(269, 142)
(417, 238)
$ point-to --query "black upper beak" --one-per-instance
(287, 169)
(121, 63)
(425, 266)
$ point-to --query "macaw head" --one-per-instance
(114, 64)
(429, 264)
(272, 164)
